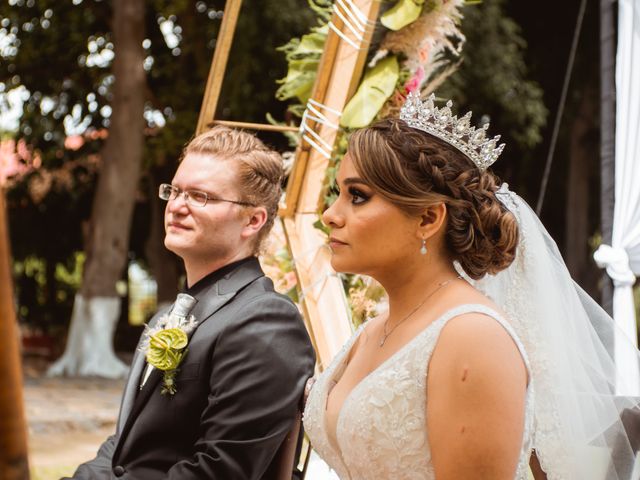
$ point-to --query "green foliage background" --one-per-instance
(49, 54)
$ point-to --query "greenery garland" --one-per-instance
(417, 48)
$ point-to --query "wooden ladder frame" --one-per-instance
(324, 303)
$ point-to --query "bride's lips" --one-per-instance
(334, 242)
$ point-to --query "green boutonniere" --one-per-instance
(165, 344)
(166, 350)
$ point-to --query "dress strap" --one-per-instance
(439, 324)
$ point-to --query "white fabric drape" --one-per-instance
(622, 258)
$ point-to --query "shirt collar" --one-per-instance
(208, 280)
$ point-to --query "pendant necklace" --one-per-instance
(386, 334)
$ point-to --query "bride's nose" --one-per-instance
(332, 217)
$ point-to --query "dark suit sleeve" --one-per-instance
(260, 364)
(100, 467)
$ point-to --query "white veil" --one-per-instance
(582, 429)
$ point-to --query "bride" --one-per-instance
(489, 359)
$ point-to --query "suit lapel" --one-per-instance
(210, 300)
(135, 372)
(130, 390)
(214, 303)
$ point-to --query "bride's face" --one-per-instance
(368, 234)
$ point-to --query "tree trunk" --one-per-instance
(162, 262)
(577, 215)
(13, 428)
(608, 47)
(89, 348)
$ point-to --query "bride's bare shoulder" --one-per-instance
(476, 346)
(477, 338)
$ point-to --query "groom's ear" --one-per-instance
(432, 219)
(255, 218)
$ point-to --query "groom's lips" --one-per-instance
(177, 226)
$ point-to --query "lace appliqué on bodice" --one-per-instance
(381, 430)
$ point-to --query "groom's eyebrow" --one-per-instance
(200, 188)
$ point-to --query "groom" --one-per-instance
(239, 386)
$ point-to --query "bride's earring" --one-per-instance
(423, 248)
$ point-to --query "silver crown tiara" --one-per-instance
(458, 133)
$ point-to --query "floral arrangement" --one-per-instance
(418, 49)
(277, 263)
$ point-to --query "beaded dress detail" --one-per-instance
(380, 429)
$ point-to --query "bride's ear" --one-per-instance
(432, 220)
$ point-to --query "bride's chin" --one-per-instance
(336, 264)
(342, 266)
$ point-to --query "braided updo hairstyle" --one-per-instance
(414, 170)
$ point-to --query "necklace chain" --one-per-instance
(385, 335)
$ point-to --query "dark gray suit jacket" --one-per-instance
(238, 390)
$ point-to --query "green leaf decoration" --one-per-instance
(378, 84)
(166, 349)
(402, 14)
(303, 57)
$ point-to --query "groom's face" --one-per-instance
(211, 232)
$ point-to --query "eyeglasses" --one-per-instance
(194, 198)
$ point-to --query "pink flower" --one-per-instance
(73, 142)
(290, 280)
(15, 159)
(415, 82)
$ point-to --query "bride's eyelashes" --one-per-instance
(358, 197)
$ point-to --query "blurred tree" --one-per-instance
(572, 206)
(494, 82)
(513, 68)
(66, 56)
(96, 309)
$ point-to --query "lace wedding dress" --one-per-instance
(381, 428)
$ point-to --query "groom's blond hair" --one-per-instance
(259, 168)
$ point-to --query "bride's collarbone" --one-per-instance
(367, 355)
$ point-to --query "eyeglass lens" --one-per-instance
(193, 197)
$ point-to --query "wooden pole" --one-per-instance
(255, 126)
(13, 436)
(322, 294)
(325, 69)
(219, 64)
(607, 133)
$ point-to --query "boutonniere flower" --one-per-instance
(165, 344)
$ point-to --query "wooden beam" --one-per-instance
(255, 126)
(339, 73)
(345, 77)
(323, 299)
(219, 64)
(323, 76)
(322, 294)
(13, 431)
